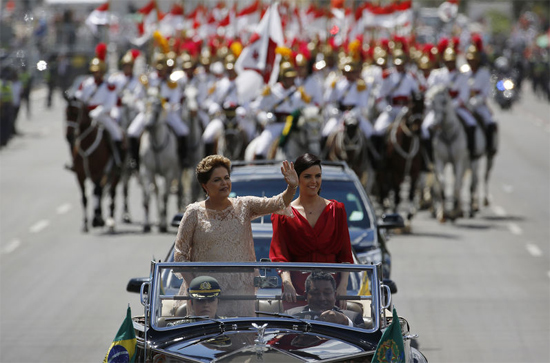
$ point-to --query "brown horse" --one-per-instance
(402, 156)
(352, 146)
(93, 160)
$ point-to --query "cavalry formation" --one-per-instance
(395, 111)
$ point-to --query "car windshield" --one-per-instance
(193, 293)
(342, 191)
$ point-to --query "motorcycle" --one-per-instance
(505, 91)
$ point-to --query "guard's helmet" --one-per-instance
(130, 57)
(159, 61)
(399, 57)
(98, 64)
(475, 49)
(287, 70)
(450, 53)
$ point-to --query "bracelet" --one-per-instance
(293, 187)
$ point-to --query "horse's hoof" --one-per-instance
(126, 218)
(98, 222)
(486, 202)
(163, 229)
(110, 223)
(146, 229)
(85, 229)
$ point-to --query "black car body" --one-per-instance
(169, 332)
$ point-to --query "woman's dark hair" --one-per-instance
(206, 167)
(306, 161)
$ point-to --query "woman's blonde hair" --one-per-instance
(207, 165)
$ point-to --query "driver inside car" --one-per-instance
(320, 290)
(203, 293)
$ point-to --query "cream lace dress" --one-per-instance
(210, 235)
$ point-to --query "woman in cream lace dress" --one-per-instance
(219, 228)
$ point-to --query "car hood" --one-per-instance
(278, 345)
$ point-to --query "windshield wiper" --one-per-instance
(281, 315)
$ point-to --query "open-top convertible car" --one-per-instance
(235, 312)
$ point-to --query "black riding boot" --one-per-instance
(428, 154)
(471, 140)
(209, 148)
(120, 152)
(491, 134)
(182, 150)
(134, 153)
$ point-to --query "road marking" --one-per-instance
(499, 211)
(534, 250)
(507, 188)
(40, 225)
(515, 229)
(64, 208)
(12, 246)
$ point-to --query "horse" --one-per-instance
(93, 159)
(159, 157)
(349, 144)
(234, 139)
(129, 111)
(402, 155)
(304, 134)
(449, 147)
(195, 145)
(475, 166)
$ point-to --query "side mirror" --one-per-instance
(391, 221)
(176, 220)
(134, 285)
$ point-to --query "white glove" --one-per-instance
(96, 112)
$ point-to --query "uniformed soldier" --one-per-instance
(130, 93)
(396, 92)
(348, 92)
(203, 292)
(100, 98)
(307, 81)
(171, 94)
(459, 90)
(480, 89)
(274, 105)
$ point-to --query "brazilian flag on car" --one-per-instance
(123, 349)
(391, 348)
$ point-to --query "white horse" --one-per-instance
(195, 145)
(304, 135)
(129, 111)
(159, 157)
(450, 147)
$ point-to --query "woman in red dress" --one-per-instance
(315, 230)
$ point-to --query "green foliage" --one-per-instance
(500, 22)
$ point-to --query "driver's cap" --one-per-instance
(204, 287)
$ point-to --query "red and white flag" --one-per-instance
(149, 23)
(248, 17)
(99, 16)
(173, 22)
(448, 10)
(258, 63)
(259, 55)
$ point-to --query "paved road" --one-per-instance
(475, 291)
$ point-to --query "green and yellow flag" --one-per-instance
(123, 349)
(391, 348)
